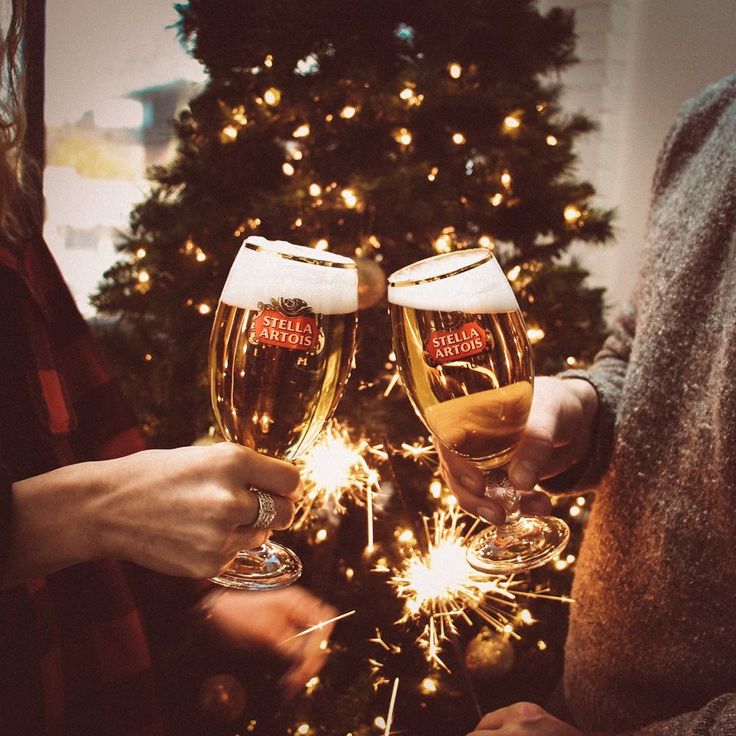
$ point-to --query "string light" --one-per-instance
(551, 140)
(433, 173)
(506, 179)
(204, 309)
(296, 154)
(322, 244)
(403, 136)
(288, 169)
(272, 96)
(496, 199)
(268, 61)
(572, 214)
(315, 189)
(239, 115)
(407, 93)
(228, 134)
(349, 198)
(348, 112)
(458, 139)
(511, 123)
(455, 69)
(535, 334)
(485, 241)
(140, 253)
(302, 131)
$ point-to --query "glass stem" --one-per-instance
(499, 488)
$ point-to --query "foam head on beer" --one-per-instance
(266, 269)
(441, 284)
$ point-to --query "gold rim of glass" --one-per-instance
(315, 261)
(438, 277)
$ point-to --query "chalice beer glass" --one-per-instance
(465, 360)
(281, 349)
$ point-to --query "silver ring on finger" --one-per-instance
(266, 510)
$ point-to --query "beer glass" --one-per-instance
(280, 352)
(465, 361)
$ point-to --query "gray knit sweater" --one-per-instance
(652, 642)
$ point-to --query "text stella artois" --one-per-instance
(272, 326)
(443, 346)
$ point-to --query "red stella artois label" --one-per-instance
(443, 346)
(286, 323)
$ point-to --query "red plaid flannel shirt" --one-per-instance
(75, 652)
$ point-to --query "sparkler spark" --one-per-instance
(440, 589)
(334, 469)
(320, 625)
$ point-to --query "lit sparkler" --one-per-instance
(333, 470)
(441, 589)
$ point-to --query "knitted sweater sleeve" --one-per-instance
(606, 375)
(716, 718)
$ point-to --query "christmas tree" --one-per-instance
(386, 131)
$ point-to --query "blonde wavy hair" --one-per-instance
(12, 120)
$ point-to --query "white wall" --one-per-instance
(640, 59)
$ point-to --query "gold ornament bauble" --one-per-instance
(371, 283)
(489, 654)
(221, 699)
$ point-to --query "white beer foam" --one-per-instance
(483, 289)
(261, 275)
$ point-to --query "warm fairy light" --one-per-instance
(511, 122)
(288, 169)
(485, 241)
(455, 69)
(429, 685)
(535, 334)
(315, 189)
(333, 470)
(304, 729)
(302, 131)
(350, 198)
(458, 139)
(541, 645)
(435, 489)
(572, 214)
(268, 61)
(552, 140)
(439, 588)
(574, 511)
(148, 357)
(379, 722)
(496, 199)
(570, 559)
(506, 179)
(143, 276)
(403, 136)
(580, 500)
(200, 256)
(443, 244)
(229, 133)
(322, 244)
(570, 360)
(433, 173)
(298, 222)
(296, 154)
(320, 536)
(348, 112)
(311, 685)
(140, 253)
(407, 93)
(272, 96)
(525, 616)
(513, 274)
(561, 565)
(239, 115)
(204, 309)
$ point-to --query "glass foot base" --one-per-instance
(269, 566)
(530, 542)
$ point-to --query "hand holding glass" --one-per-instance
(465, 361)
(281, 349)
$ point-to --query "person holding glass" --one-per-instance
(652, 426)
(81, 499)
